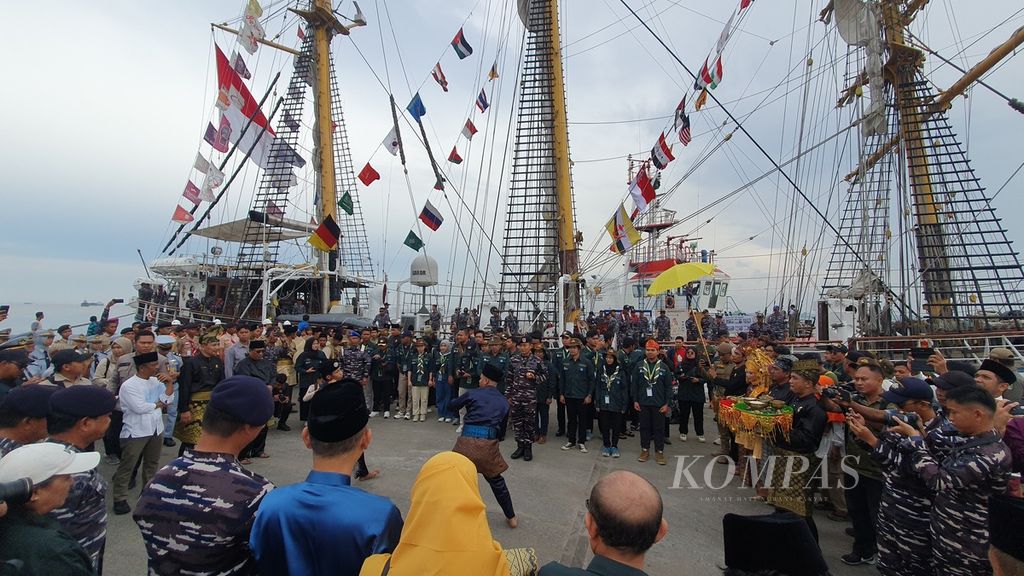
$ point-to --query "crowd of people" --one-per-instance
(913, 461)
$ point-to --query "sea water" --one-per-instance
(22, 315)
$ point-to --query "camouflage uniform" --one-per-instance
(355, 363)
(904, 514)
(691, 329)
(663, 328)
(522, 394)
(963, 482)
(718, 377)
(777, 325)
(84, 513)
(758, 330)
(196, 515)
(721, 329)
(6, 445)
(707, 326)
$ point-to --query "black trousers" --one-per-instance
(543, 417)
(591, 415)
(283, 409)
(652, 426)
(501, 494)
(575, 431)
(303, 405)
(687, 407)
(610, 423)
(560, 416)
(862, 501)
(361, 469)
(382, 395)
(112, 439)
(256, 447)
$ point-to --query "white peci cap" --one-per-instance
(267, 322)
(175, 322)
(41, 461)
(216, 322)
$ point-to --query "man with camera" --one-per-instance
(904, 513)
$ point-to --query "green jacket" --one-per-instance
(421, 368)
(41, 545)
(612, 392)
(652, 383)
(599, 566)
(576, 379)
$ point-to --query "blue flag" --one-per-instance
(416, 108)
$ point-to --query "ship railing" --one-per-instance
(156, 312)
(973, 346)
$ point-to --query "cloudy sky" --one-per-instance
(106, 105)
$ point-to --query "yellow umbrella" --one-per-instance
(679, 275)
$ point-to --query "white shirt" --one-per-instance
(138, 399)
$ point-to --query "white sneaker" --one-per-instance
(568, 445)
(582, 447)
(406, 415)
(447, 420)
(459, 429)
(700, 439)
(373, 414)
(387, 414)
(682, 437)
(717, 442)
(441, 419)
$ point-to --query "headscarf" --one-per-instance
(125, 344)
(308, 352)
(446, 531)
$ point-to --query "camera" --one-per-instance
(838, 393)
(16, 491)
(892, 415)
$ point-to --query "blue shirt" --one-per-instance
(484, 406)
(322, 526)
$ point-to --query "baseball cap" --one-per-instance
(165, 340)
(1001, 354)
(953, 379)
(41, 461)
(908, 389)
(67, 356)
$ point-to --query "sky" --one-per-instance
(106, 107)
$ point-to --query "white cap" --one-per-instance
(175, 322)
(267, 322)
(41, 461)
(164, 340)
(216, 321)
(287, 322)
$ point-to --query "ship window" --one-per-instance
(714, 289)
(639, 290)
(724, 287)
(707, 288)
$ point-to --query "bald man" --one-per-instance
(623, 520)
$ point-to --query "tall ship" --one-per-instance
(858, 206)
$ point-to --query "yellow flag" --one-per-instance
(493, 72)
(701, 100)
(621, 229)
(254, 9)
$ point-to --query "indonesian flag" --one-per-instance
(237, 107)
(368, 175)
(181, 216)
(438, 75)
(431, 216)
(300, 33)
(661, 154)
(462, 48)
(454, 157)
(468, 130)
(641, 190)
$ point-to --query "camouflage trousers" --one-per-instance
(523, 413)
(904, 537)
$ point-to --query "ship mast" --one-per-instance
(568, 259)
(321, 20)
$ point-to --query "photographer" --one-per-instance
(27, 534)
(904, 544)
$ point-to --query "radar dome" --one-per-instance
(423, 271)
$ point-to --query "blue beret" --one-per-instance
(354, 333)
(83, 401)
(245, 398)
(30, 400)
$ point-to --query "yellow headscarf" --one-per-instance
(446, 531)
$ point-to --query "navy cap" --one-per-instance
(62, 357)
(338, 412)
(953, 379)
(328, 368)
(244, 398)
(406, 334)
(29, 400)
(354, 333)
(908, 389)
(16, 355)
(83, 401)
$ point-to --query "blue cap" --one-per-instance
(29, 400)
(83, 401)
(244, 398)
(908, 389)
(355, 333)
(303, 325)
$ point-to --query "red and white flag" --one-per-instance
(181, 216)
(251, 34)
(684, 131)
(641, 189)
(438, 75)
(468, 130)
(661, 154)
(191, 192)
(239, 107)
(300, 33)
